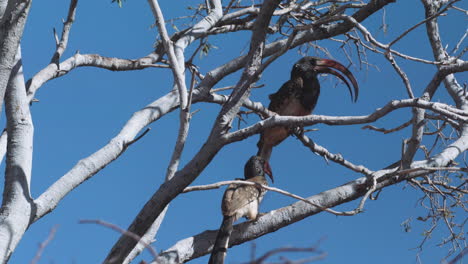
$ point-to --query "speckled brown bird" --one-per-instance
(298, 97)
(240, 201)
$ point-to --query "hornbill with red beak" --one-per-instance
(298, 97)
(240, 200)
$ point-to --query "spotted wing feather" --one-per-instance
(239, 196)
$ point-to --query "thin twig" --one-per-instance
(273, 252)
(369, 38)
(437, 131)
(232, 87)
(62, 44)
(459, 256)
(387, 131)
(283, 192)
(422, 22)
(457, 46)
(400, 72)
(461, 10)
(190, 94)
(44, 244)
(123, 232)
(330, 156)
(273, 57)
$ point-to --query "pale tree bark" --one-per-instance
(440, 54)
(17, 204)
(13, 16)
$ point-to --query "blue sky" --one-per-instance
(80, 112)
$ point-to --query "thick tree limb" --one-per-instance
(17, 204)
(440, 54)
(11, 30)
(89, 166)
(53, 70)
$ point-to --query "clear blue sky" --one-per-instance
(80, 112)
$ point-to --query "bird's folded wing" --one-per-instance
(236, 197)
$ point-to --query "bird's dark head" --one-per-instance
(309, 67)
(256, 166)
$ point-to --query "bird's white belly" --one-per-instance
(250, 211)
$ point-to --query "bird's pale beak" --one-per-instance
(325, 65)
(267, 170)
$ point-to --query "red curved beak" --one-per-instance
(267, 170)
(325, 65)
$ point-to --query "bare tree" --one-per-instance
(438, 128)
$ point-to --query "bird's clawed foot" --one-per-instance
(297, 131)
(254, 220)
(258, 216)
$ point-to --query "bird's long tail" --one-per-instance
(222, 241)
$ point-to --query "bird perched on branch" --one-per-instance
(298, 97)
(240, 200)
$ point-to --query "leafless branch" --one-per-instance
(439, 129)
(232, 87)
(457, 46)
(178, 67)
(459, 256)
(388, 131)
(283, 192)
(344, 120)
(333, 157)
(402, 74)
(62, 44)
(122, 231)
(276, 251)
(44, 244)
(435, 15)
